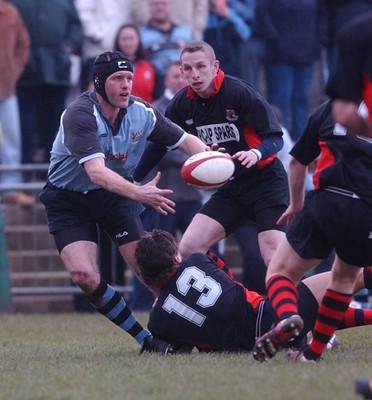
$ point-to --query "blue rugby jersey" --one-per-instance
(85, 134)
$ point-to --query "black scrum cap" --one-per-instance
(105, 65)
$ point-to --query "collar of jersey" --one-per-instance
(217, 83)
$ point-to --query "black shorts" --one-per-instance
(74, 216)
(307, 309)
(329, 220)
(262, 197)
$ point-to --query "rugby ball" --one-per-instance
(208, 170)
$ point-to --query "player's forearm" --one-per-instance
(192, 145)
(297, 173)
(109, 180)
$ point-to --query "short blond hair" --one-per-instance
(199, 45)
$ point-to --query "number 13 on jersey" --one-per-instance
(193, 277)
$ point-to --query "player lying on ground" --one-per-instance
(199, 304)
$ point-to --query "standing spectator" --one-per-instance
(128, 41)
(55, 31)
(225, 32)
(251, 50)
(100, 21)
(227, 111)
(291, 51)
(14, 53)
(191, 13)
(163, 40)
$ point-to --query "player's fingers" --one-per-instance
(165, 209)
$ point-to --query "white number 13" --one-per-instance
(193, 277)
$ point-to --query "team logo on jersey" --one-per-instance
(136, 136)
(231, 116)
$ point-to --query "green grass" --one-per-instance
(83, 356)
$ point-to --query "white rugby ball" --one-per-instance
(208, 170)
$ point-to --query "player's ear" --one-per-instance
(178, 258)
(216, 66)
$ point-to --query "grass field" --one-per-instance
(83, 356)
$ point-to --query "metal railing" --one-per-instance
(35, 183)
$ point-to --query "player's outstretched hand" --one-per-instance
(151, 195)
(153, 345)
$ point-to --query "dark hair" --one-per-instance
(140, 53)
(155, 255)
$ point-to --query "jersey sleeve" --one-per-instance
(80, 133)
(166, 132)
(307, 148)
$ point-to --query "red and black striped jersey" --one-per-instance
(345, 160)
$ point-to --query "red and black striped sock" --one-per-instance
(331, 312)
(356, 317)
(283, 296)
(367, 273)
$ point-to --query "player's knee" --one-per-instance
(86, 281)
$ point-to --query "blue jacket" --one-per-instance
(56, 32)
(293, 30)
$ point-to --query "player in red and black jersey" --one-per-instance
(337, 214)
(226, 111)
(199, 304)
(351, 83)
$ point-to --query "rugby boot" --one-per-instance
(275, 340)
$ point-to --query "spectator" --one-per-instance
(163, 40)
(191, 13)
(55, 31)
(291, 51)
(100, 21)
(251, 51)
(14, 53)
(225, 32)
(128, 41)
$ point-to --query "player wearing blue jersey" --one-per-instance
(101, 137)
